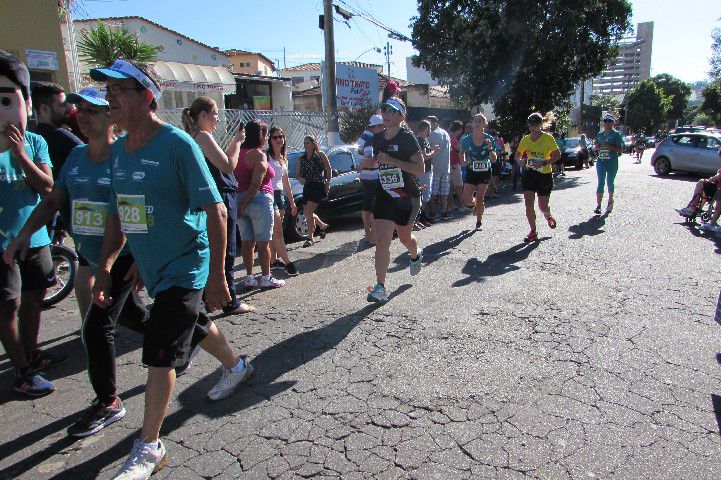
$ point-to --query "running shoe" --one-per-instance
(479, 224)
(609, 207)
(531, 237)
(249, 282)
(597, 211)
(96, 417)
(686, 211)
(183, 369)
(290, 269)
(33, 385)
(415, 265)
(270, 282)
(143, 461)
(230, 380)
(551, 222)
(417, 227)
(277, 265)
(710, 227)
(378, 294)
(41, 360)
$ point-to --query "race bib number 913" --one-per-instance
(133, 217)
(89, 217)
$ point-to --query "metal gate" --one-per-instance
(295, 125)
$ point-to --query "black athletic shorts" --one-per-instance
(176, 316)
(477, 178)
(401, 211)
(709, 189)
(36, 272)
(370, 188)
(534, 181)
(314, 192)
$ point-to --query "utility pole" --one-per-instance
(389, 51)
(331, 106)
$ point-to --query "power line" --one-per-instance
(394, 34)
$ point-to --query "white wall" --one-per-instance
(282, 97)
(418, 75)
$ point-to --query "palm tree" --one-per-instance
(102, 45)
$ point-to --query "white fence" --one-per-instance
(295, 125)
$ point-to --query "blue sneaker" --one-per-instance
(416, 264)
(378, 294)
(33, 385)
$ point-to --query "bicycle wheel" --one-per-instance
(66, 267)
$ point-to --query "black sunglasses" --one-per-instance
(276, 137)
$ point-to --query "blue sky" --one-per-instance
(681, 47)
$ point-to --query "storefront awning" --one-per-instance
(197, 78)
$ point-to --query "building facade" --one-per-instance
(631, 66)
(32, 33)
(250, 63)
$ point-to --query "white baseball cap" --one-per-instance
(375, 121)
(609, 117)
(123, 69)
(90, 95)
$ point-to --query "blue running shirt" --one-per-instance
(158, 192)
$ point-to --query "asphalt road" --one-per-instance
(593, 353)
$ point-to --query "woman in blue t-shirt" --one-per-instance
(609, 144)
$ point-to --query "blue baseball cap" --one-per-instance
(90, 95)
(395, 104)
(123, 69)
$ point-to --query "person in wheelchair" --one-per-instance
(706, 191)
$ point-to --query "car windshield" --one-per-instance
(572, 143)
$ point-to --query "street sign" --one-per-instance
(42, 60)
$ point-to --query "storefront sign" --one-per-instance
(42, 60)
(354, 85)
(196, 87)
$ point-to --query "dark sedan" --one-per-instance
(345, 194)
(571, 155)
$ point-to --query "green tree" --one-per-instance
(608, 103)
(521, 56)
(102, 45)
(716, 54)
(711, 105)
(646, 107)
(678, 93)
(353, 121)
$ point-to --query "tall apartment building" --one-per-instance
(630, 67)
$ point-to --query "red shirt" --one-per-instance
(455, 151)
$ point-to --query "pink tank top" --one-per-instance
(244, 174)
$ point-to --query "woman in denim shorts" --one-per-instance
(255, 204)
(281, 191)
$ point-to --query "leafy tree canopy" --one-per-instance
(646, 107)
(716, 54)
(521, 56)
(102, 45)
(677, 92)
(711, 105)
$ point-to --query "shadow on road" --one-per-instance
(496, 264)
(270, 365)
(433, 252)
(716, 403)
(589, 228)
(24, 441)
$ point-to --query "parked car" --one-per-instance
(687, 152)
(571, 154)
(345, 194)
(628, 144)
(689, 129)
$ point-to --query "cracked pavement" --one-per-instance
(591, 354)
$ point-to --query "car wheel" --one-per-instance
(296, 226)
(662, 166)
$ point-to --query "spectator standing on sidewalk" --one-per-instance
(199, 120)
(441, 162)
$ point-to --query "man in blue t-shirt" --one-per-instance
(164, 202)
(25, 174)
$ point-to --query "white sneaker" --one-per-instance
(270, 282)
(710, 227)
(249, 281)
(685, 211)
(415, 265)
(230, 380)
(142, 462)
